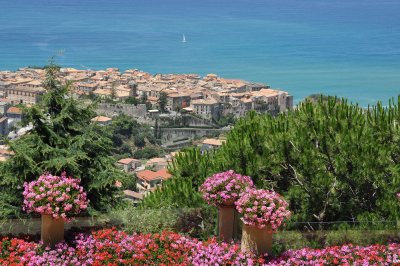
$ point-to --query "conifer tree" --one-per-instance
(62, 139)
(162, 101)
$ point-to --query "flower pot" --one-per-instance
(52, 230)
(256, 240)
(226, 219)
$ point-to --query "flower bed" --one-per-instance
(112, 247)
(342, 255)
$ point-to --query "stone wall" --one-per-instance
(169, 135)
(139, 112)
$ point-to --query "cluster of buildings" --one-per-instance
(210, 96)
(151, 173)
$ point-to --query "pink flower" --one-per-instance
(54, 195)
(262, 208)
(118, 184)
(224, 187)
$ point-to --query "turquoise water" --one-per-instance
(349, 48)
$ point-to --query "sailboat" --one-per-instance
(183, 38)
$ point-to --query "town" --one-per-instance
(180, 107)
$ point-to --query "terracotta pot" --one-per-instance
(52, 230)
(256, 240)
(226, 219)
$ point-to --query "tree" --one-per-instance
(147, 152)
(131, 100)
(333, 161)
(175, 193)
(162, 101)
(62, 139)
(143, 98)
(113, 92)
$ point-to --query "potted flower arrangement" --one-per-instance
(222, 190)
(56, 199)
(263, 213)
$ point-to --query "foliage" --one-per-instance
(315, 98)
(175, 193)
(191, 164)
(332, 160)
(143, 98)
(195, 222)
(131, 100)
(147, 152)
(162, 101)
(127, 134)
(226, 120)
(146, 221)
(225, 187)
(58, 196)
(113, 92)
(62, 139)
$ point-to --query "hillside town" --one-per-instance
(210, 97)
(207, 98)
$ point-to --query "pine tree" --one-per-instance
(162, 101)
(62, 139)
(331, 159)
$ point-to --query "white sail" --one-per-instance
(183, 38)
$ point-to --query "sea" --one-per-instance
(348, 48)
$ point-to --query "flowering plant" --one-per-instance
(59, 196)
(262, 207)
(113, 247)
(224, 187)
(341, 255)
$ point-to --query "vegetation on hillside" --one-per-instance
(131, 138)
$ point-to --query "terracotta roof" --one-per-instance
(213, 142)
(164, 173)
(128, 161)
(101, 119)
(149, 175)
(14, 110)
